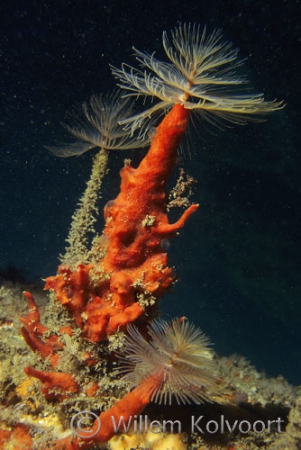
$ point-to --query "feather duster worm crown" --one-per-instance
(97, 125)
(201, 75)
(177, 359)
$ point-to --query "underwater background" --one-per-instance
(238, 259)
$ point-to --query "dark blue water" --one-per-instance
(238, 259)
